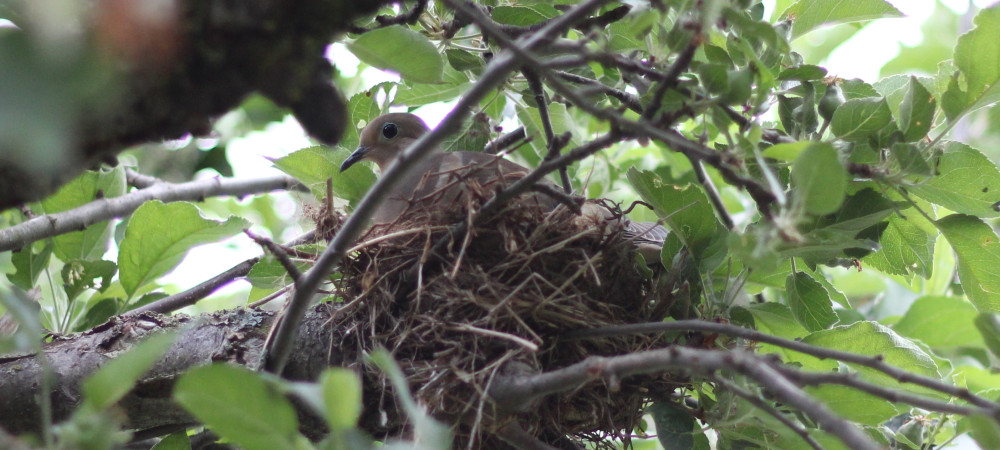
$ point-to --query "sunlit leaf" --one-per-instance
(966, 181)
(976, 55)
(314, 165)
(807, 15)
(861, 118)
(159, 235)
(401, 50)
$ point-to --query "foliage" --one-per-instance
(844, 214)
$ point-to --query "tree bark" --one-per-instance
(233, 336)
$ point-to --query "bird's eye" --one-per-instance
(390, 130)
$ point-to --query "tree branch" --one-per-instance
(874, 362)
(764, 406)
(515, 392)
(191, 296)
(674, 140)
(99, 210)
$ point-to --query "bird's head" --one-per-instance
(384, 138)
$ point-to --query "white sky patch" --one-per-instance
(864, 54)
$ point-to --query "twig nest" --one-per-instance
(494, 300)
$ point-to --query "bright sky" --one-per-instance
(861, 56)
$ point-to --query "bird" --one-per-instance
(445, 180)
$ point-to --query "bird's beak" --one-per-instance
(358, 155)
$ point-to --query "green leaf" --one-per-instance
(976, 56)
(856, 88)
(523, 16)
(473, 136)
(361, 109)
(988, 325)
(109, 384)
(462, 60)
(905, 248)
(809, 301)
(418, 94)
(314, 165)
(686, 210)
(984, 430)
(99, 312)
(978, 253)
(954, 100)
(79, 275)
(967, 182)
(808, 15)
(401, 50)
(240, 406)
(342, 398)
(268, 273)
(909, 159)
(787, 151)
(673, 426)
(28, 264)
(858, 119)
(940, 322)
(23, 311)
(916, 112)
(805, 72)
(92, 242)
(820, 179)
(159, 235)
(853, 404)
(777, 319)
(873, 339)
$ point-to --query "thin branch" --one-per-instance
(895, 396)
(874, 362)
(499, 144)
(277, 351)
(76, 219)
(669, 80)
(516, 392)
(191, 296)
(713, 195)
(139, 180)
(279, 253)
(692, 150)
(630, 101)
(764, 406)
(410, 17)
(553, 144)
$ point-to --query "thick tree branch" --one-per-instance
(516, 392)
(234, 336)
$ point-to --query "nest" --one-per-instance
(493, 301)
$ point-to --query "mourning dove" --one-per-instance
(442, 182)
